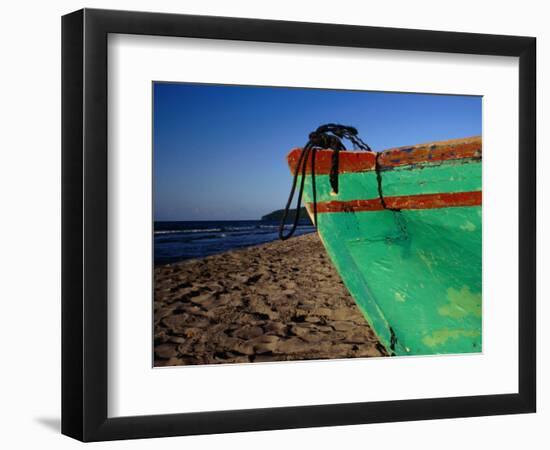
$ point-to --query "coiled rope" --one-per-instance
(327, 136)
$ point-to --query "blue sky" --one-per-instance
(219, 151)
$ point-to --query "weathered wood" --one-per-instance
(456, 149)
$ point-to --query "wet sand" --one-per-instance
(279, 301)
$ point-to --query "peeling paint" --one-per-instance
(468, 226)
(440, 337)
(400, 297)
(468, 148)
(461, 303)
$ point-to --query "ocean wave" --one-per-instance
(238, 228)
(231, 229)
(288, 225)
(195, 230)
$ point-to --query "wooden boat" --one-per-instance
(404, 232)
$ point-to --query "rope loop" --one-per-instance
(328, 136)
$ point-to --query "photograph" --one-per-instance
(312, 224)
(275, 225)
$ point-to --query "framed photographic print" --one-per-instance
(273, 224)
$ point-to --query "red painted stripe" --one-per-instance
(416, 155)
(469, 148)
(422, 201)
(348, 161)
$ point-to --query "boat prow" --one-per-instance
(404, 232)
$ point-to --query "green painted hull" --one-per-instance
(414, 273)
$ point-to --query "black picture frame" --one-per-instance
(84, 224)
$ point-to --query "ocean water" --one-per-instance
(178, 241)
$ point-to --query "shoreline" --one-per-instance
(238, 249)
(181, 241)
(277, 301)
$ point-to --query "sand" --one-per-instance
(279, 301)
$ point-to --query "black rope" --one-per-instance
(327, 136)
(378, 171)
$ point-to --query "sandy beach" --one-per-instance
(279, 301)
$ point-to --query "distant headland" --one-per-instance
(278, 215)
